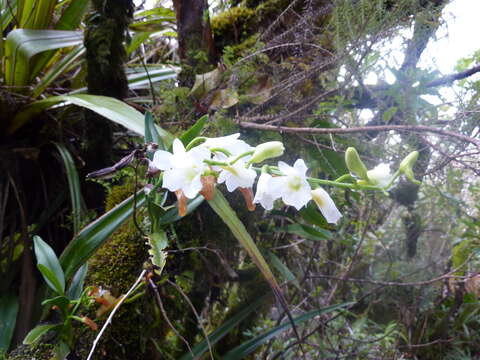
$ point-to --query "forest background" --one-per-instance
(89, 85)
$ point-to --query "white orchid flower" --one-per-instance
(326, 205)
(231, 143)
(380, 175)
(293, 187)
(237, 176)
(263, 196)
(182, 169)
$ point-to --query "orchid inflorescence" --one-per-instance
(206, 162)
(203, 163)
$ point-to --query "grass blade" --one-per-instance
(73, 185)
(223, 330)
(242, 351)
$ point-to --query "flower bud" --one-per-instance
(267, 150)
(326, 205)
(406, 166)
(354, 164)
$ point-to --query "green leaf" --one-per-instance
(243, 350)
(308, 232)
(51, 279)
(23, 44)
(72, 16)
(194, 131)
(219, 333)
(76, 287)
(111, 108)
(35, 14)
(73, 186)
(143, 79)
(158, 241)
(389, 114)
(172, 216)
(61, 301)
(57, 69)
(8, 316)
(49, 265)
(36, 333)
(282, 268)
(221, 206)
(151, 133)
(61, 351)
(90, 238)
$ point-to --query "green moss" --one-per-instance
(239, 17)
(38, 351)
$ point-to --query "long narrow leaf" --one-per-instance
(111, 108)
(58, 69)
(223, 330)
(23, 44)
(220, 205)
(142, 79)
(242, 351)
(90, 238)
(195, 130)
(8, 316)
(72, 15)
(73, 185)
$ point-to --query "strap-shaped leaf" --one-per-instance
(23, 44)
(49, 266)
(90, 238)
(111, 108)
(199, 349)
(243, 350)
(8, 316)
(194, 131)
(76, 287)
(73, 186)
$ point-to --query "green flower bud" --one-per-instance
(267, 150)
(354, 164)
(406, 166)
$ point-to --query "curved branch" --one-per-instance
(411, 128)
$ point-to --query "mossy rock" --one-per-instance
(38, 351)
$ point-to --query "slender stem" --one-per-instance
(213, 162)
(197, 141)
(241, 156)
(221, 150)
(345, 177)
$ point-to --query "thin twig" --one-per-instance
(165, 316)
(179, 289)
(117, 306)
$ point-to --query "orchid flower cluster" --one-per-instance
(206, 162)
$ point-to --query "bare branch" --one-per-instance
(411, 128)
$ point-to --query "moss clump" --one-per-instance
(37, 351)
(239, 17)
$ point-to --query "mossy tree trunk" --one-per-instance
(195, 42)
(107, 27)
